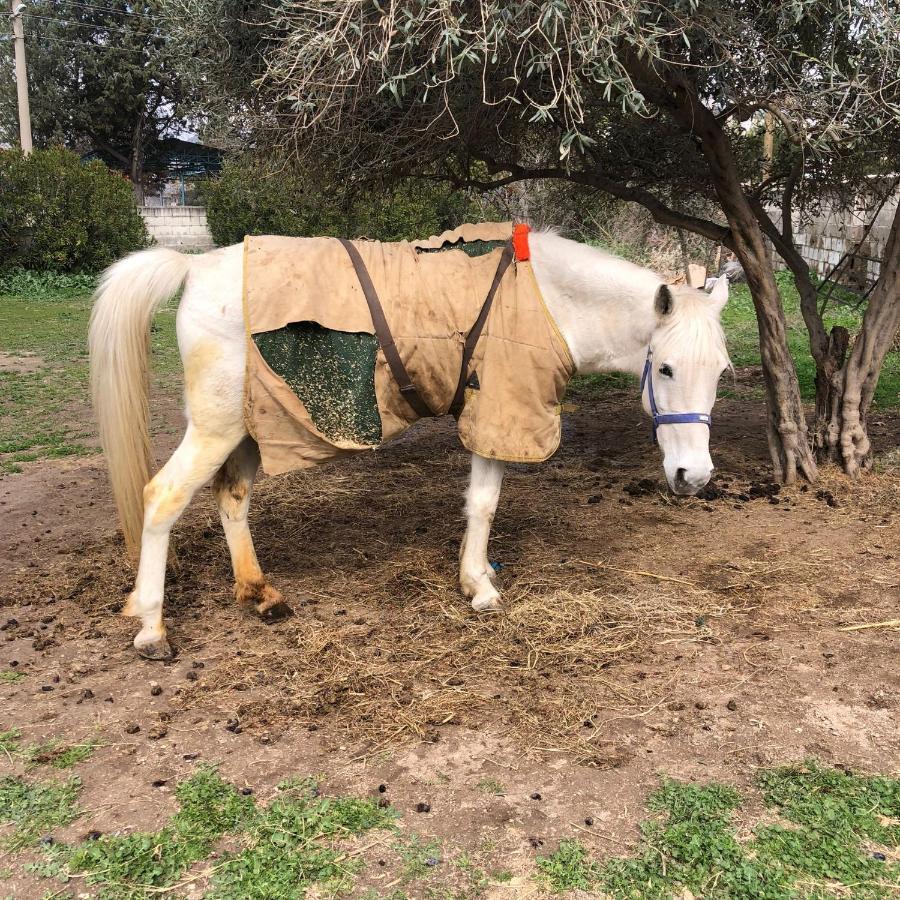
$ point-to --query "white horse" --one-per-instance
(608, 310)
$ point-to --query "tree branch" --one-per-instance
(660, 212)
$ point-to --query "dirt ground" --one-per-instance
(641, 635)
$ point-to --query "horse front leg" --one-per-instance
(475, 573)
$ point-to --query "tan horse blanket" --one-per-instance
(318, 385)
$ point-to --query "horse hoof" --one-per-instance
(158, 650)
(270, 606)
(489, 603)
(273, 612)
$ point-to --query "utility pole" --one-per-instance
(16, 8)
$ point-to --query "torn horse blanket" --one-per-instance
(318, 384)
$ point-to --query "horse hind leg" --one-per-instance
(233, 486)
(166, 496)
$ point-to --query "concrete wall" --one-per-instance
(829, 236)
(181, 227)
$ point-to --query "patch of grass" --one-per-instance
(292, 845)
(739, 320)
(57, 754)
(491, 786)
(130, 865)
(10, 677)
(842, 831)
(569, 868)
(419, 856)
(45, 409)
(835, 816)
(9, 740)
(286, 848)
(36, 808)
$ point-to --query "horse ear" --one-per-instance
(664, 300)
(719, 293)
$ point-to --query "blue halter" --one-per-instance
(667, 418)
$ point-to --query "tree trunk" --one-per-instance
(786, 421)
(847, 438)
(840, 437)
(828, 350)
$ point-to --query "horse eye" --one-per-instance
(665, 370)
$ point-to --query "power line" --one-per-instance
(112, 48)
(121, 12)
(93, 26)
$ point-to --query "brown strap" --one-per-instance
(385, 338)
(475, 332)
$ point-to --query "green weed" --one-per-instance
(842, 830)
(9, 740)
(286, 848)
(45, 285)
(292, 845)
(491, 786)
(130, 866)
(33, 809)
(568, 868)
(57, 754)
(419, 856)
(11, 677)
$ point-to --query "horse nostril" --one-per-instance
(679, 476)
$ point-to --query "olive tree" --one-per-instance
(648, 102)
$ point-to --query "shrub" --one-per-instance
(258, 196)
(38, 285)
(59, 214)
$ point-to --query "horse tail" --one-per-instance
(129, 293)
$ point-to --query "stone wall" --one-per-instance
(180, 227)
(827, 238)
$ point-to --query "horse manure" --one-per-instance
(192, 675)
(132, 728)
(423, 807)
(233, 725)
(535, 842)
(157, 732)
(246, 791)
(155, 689)
(732, 705)
(536, 796)
(589, 821)
(382, 788)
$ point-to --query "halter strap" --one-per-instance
(685, 418)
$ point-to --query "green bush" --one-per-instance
(253, 196)
(58, 214)
(38, 285)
